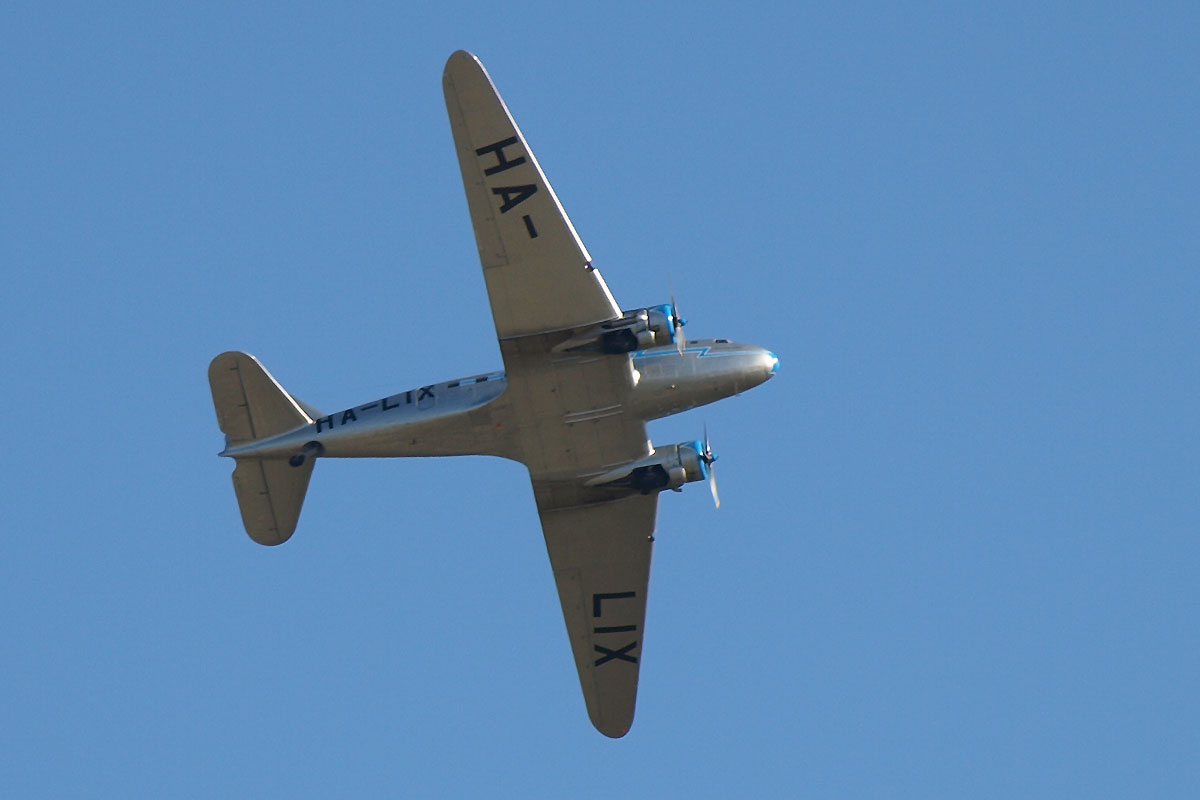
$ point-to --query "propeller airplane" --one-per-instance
(581, 379)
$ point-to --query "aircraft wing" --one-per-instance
(600, 554)
(568, 410)
(538, 273)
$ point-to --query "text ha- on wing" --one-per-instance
(538, 273)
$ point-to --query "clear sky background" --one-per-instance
(957, 554)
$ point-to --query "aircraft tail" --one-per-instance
(251, 405)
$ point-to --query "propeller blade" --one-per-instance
(677, 322)
(708, 453)
(709, 458)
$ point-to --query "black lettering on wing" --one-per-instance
(502, 162)
(514, 195)
(607, 655)
(599, 598)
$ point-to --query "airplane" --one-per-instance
(581, 378)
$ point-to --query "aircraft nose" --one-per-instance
(764, 366)
(771, 362)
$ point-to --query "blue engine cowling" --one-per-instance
(634, 330)
(668, 467)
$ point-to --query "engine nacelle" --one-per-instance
(668, 467)
(635, 330)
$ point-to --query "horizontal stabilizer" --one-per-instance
(250, 403)
(270, 493)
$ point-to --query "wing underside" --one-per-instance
(568, 410)
(600, 554)
(538, 272)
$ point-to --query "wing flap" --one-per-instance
(600, 555)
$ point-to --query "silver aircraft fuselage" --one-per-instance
(471, 416)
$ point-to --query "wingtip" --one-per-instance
(612, 728)
(461, 55)
(613, 734)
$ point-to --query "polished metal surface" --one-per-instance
(571, 404)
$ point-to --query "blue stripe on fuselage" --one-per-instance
(701, 352)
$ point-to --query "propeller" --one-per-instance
(677, 321)
(708, 458)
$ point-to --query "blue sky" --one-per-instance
(957, 549)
